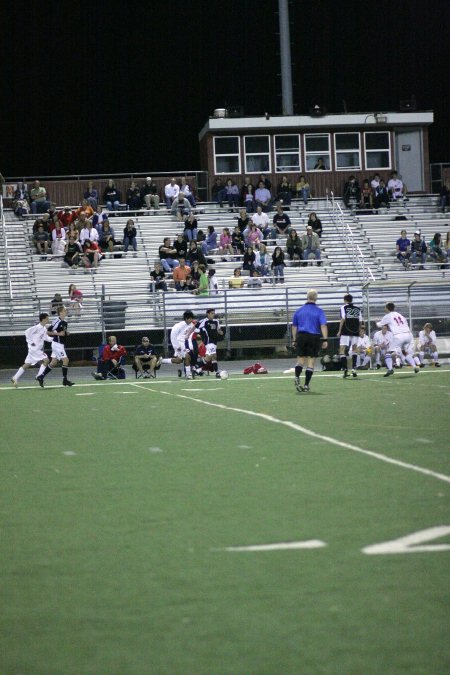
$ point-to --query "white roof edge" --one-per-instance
(306, 122)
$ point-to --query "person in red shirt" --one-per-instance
(66, 217)
(92, 253)
(111, 357)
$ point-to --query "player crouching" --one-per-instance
(427, 344)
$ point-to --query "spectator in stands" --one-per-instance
(249, 259)
(129, 236)
(253, 236)
(134, 201)
(396, 188)
(352, 192)
(106, 237)
(92, 254)
(261, 220)
(157, 276)
(247, 182)
(203, 284)
(99, 216)
(21, 203)
(294, 246)
(447, 245)
(265, 180)
(73, 252)
(190, 225)
(84, 209)
(278, 265)
(91, 195)
(195, 273)
(444, 197)
(167, 255)
(237, 240)
(262, 261)
(320, 165)
(284, 192)
(191, 286)
(181, 246)
(249, 199)
(171, 191)
(180, 207)
(403, 249)
(41, 240)
(66, 217)
(44, 220)
(75, 300)
(303, 189)
(149, 194)
(79, 224)
(243, 220)
(200, 237)
(56, 303)
(213, 283)
(381, 195)
(39, 198)
(58, 240)
(374, 183)
(254, 280)
(54, 222)
(216, 190)
(263, 197)
(366, 195)
(195, 253)
(180, 273)
(188, 192)
(111, 196)
(418, 250)
(315, 223)
(225, 242)
(311, 246)
(210, 243)
(236, 280)
(230, 194)
(437, 251)
(281, 223)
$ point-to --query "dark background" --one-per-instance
(112, 87)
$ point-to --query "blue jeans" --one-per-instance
(129, 240)
(190, 198)
(415, 255)
(168, 264)
(113, 206)
(270, 232)
(250, 205)
(40, 207)
(278, 271)
(304, 194)
(308, 251)
(191, 234)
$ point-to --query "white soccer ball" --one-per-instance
(223, 375)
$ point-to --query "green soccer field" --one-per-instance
(165, 526)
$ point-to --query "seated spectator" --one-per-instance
(403, 249)
(447, 245)
(437, 250)
(75, 300)
(99, 216)
(181, 246)
(263, 197)
(190, 225)
(180, 207)
(145, 359)
(200, 237)
(134, 201)
(39, 198)
(58, 240)
(444, 197)
(352, 192)
(41, 240)
(167, 255)
(21, 203)
(188, 192)
(171, 191)
(254, 280)
(91, 195)
(225, 242)
(265, 180)
(73, 252)
(375, 182)
(88, 232)
(149, 194)
(195, 253)
(249, 259)
(92, 255)
(237, 240)
(66, 217)
(230, 194)
(56, 303)
(180, 274)
(129, 236)
(210, 243)
(44, 220)
(418, 250)
(315, 223)
(396, 188)
(311, 246)
(195, 273)
(381, 195)
(261, 220)
(213, 283)
(158, 276)
(294, 246)
(303, 189)
(262, 261)
(106, 237)
(281, 222)
(320, 165)
(249, 199)
(216, 190)
(111, 196)
(244, 190)
(112, 355)
(284, 192)
(54, 222)
(427, 343)
(236, 280)
(366, 195)
(253, 236)
(80, 224)
(278, 264)
(84, 209)
(243, 220)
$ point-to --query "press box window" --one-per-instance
(317, 152)
(347, 151)
(226, 155)
(287, 153)
(378, 149)
(257, 154)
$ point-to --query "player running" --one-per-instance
(210, 331)
(59, 332)
(35, 337)
(402, 339)
(348, 333)
(179, 335)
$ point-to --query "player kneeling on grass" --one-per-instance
(179, 335)
(58, 331)
(427, 343)
(35, 337)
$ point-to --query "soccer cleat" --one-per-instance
(179, 372)
(417, 369)
(378, 366)
(437, 364)
(389, 372)
(14, 382)
(346, 374)
(40, 379)
(354, 373)
(422, 365)
(189, 377)
(218, 376)
(67, 383)
(304, 388)
(97, 376)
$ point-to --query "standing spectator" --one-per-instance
(284, 192)
(171, 191)
(403, 249)
(315, 223)
(278, 265)
(129, 236)
(190, 227)
(167, 255)
(203, 286)
(303, 189)
(309, 324)
(418, 250)
(213, 283)
(39, 199)
(106, 237)
(91, 195)
(149, 194)
(111, 196)
(41, 240)
(187, 191)
(263, 197)
(157, 276)
(281, 222)
(294, 246)
(134, 201)
(396, 188)
(180, 207)
(311, 246)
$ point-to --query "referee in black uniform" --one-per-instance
(309, 328)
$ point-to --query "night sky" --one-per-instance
(110, 87)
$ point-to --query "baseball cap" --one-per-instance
(309, 227)
(417, 232)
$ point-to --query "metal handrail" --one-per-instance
(5, 240)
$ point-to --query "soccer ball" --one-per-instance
(223, 375)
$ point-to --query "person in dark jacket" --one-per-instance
(129, 236)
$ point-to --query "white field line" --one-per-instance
(307, 432)
(282, 546)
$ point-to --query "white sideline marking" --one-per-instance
(89, 393)
(409, 544)
(307, 432)
(155, 450)
(124, 392)
(424, 440)
(282, 546)
(69, 453)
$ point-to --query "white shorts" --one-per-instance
(348, 340)
(211, 348)
(58, 351)
(402, 342)
(34, 356)
(180, 352)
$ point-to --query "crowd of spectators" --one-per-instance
(412, 253)
(374, 194)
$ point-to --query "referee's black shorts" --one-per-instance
(307, 344)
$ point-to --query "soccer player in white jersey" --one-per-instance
(179, 335)
(402, 338)
(381, 344)
(427, 343)
(35, 337)
(364, 349)
(58, 331)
